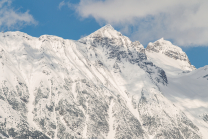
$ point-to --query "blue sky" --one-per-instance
(74, 19)
(51, 20)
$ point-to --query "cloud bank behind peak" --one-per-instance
(184, 22)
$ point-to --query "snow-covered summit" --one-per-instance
(107, 31)
(167, 48)
(167, 55)
(107, 35)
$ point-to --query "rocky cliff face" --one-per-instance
(101, 86)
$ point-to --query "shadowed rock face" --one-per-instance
(205, 118)
(63, 89)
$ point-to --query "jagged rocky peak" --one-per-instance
(167, 48)
(106, 34)
(107, 31)
(138, 46)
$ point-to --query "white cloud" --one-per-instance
(68, 4)
(11, 19)
(184, 22)
(61, 4)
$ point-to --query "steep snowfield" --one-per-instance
(101, 86)
(188, 91)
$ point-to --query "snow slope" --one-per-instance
(187, 87)
(101, 86)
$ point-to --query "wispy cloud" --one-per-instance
(61, 4)
(11, 19)
(68, 4)
(184, 22)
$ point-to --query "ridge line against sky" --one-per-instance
(183, 22)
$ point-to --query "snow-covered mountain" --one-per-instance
(187, 86)
(168, 56)
(102, 86)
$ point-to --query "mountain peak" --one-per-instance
(108, 26)
(162, 39)
(162, 46)
(107, 32)
(166, 48)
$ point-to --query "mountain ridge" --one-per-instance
(101, 86)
